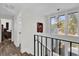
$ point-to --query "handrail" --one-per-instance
(58, 39)
(45, 46)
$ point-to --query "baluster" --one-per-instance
(46, 48)
(52, 46)
(41, 45)
(34, 46)
(70, 48)
(59, 47)
(37, 45)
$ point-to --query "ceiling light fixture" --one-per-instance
(58, 9)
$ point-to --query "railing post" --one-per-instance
(37, 45)
(52, 46)
(41, 45)
(70, 48)
(34, 46)
(46, 48)
(59, 47)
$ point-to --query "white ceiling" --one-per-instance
(35, 9)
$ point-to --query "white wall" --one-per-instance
(29, 28)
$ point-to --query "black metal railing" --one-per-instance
(41, 48)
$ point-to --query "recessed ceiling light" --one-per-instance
(58, 9)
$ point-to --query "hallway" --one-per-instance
(19, 22)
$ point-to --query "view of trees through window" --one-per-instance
(58, 25)
(72, 25)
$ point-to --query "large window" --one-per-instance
(60, 25)
(72, 25)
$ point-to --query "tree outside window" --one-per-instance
(57, 26)
(60, 25)
(72, 25)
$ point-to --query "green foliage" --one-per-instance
(53, 27)
(72, 26)
(60, 25)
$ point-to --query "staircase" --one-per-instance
(8, 48)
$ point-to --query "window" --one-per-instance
(72, 25)
(53, 23)
(60, 25)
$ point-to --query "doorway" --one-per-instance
(6, 29)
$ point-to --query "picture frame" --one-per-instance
(39, 27)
